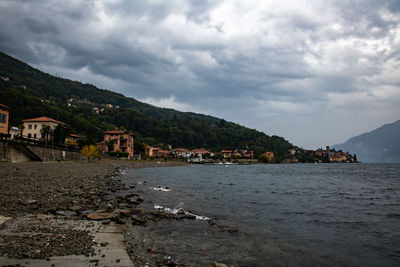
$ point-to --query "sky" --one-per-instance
(315, 72)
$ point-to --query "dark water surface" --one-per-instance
(345, 213)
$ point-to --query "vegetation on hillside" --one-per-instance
(32, 93)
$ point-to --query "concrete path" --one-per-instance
(112, 253)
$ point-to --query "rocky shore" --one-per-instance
(53, 209)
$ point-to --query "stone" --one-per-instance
(101, 216)
(188, 217)
(66, 213)
(44, 216)
(123, 212)
(138, 221)
(216, 264)
(75, 208)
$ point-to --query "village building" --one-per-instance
(152, 152)
(226, 153)
(268, 156)
(201, 152)
(33, 127)
(181, 153)
(14, 132)
(119, 141)
(72, 139)
(4, 117)
(160, 153)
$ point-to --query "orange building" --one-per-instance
(118, 141)
(4, 116)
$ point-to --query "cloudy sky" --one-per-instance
(315, 72)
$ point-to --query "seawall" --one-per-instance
(18, 152)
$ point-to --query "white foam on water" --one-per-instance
(161, 189)
(179, 208)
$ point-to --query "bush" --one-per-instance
(90, 152)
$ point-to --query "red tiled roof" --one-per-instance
(116, 132)
(43, 119)
(226, 151)
(198, 150)
(4, 107)
(181, 150)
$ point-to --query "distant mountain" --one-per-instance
(379, 145)
(33, 93)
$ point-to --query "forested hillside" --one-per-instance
(32, 93)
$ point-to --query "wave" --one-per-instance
(179, 210)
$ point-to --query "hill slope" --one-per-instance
(379, 145)
(32, 93)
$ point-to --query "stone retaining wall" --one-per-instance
(9, 153)
(51, 154)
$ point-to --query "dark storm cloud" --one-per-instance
(260, 64)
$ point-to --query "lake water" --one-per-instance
(345, 214)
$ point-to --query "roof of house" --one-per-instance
(198, 150)
(43, 119)
(77, 136)
(4, 107)
(181, 150)
(116, 132)
(202, 150)
(226, 151)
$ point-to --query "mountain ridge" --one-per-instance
(379, 145)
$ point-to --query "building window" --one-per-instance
(3, 118)
(30, 126)
(34, 135)
(29, 135)
(35, 126)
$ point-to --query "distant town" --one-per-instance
(120, 143)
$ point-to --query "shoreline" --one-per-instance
(54, 205)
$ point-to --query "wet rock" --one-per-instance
(101, 216)
(216, 264)
(75, 208)
(44, 216)
(123, 212)
(66, 213)
(119, 220)
(138, 212)
(137, 220)
(188, 217)
(133, 202)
